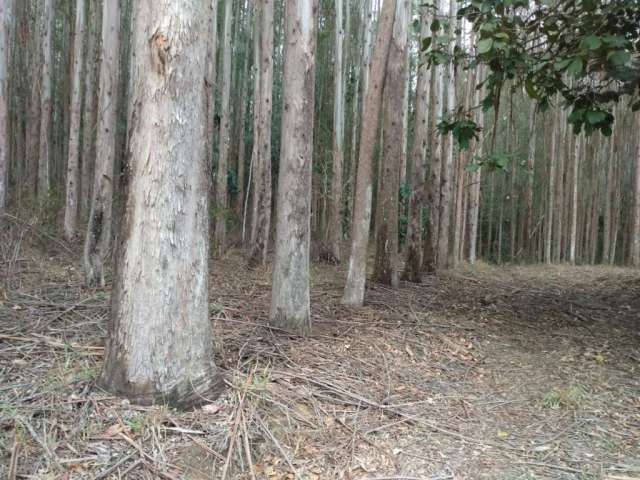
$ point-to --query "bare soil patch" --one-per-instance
(484, 373)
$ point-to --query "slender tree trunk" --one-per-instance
(574, 201)
(73, 161)
(474, 193)
(357, 274)
(6, 20)
(559, 203)
(635, 216)
(220, 234)
(290, 307)
(386, 268)
(262, 137)
(160, 342)
(335, 215)
(528, 192)
(46, 104)
(433, 192)
(98, 240)
(89, 115)
(442, 256)
(608, 201)
(243, 98)
(211, 82)
(551, 190)
(413, 264)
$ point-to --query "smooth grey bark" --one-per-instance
(222, 201)
(6, 21)
(474, 192)
(574, 200)
(46, 104)
(290, 303)
(335, 214)
(98, 238)
(372, 105)
(73, 160)
(262, 137)
(160, 346)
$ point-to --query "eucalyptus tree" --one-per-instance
(335, 223)
(46, 105)
(413, 264)
(73, 160)
(386, 260)
(98, 237)
(290, 302)
(160, 347)
(263, 111)
(222, 200)
(6, 21)
(372, 105)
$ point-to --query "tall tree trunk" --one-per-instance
(635, 216)
(220, 233)
(262, 137)
(211, 82)
(442, 256)
(290, 307)
(528, 217)
(6, 20)
(90, 112)
(160, 342)
(476, 179)
(46, 104)
(608, 201)
(574, 201)
(433, 192)
(98, 240)
(335, 216)
(413, 264)
(357, 274)
(559, 196)
(551, 189)
(386, 268)
(73, 161)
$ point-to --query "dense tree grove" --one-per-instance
(424, 134)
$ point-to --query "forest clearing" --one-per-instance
(320, 239)
(490, 372)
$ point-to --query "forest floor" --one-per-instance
(485, 373)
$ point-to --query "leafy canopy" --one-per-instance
(585, 53)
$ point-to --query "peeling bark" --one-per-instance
(160, 347)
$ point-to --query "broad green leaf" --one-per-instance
(591, 42)
(575, 67)
(484, 46)
(594, 117)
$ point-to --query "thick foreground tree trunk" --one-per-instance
(357, 275)
(98, 239)
(6, 19)
(290, 303)
(160, 343)
(73, 161)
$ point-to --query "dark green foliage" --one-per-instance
(583, 52)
